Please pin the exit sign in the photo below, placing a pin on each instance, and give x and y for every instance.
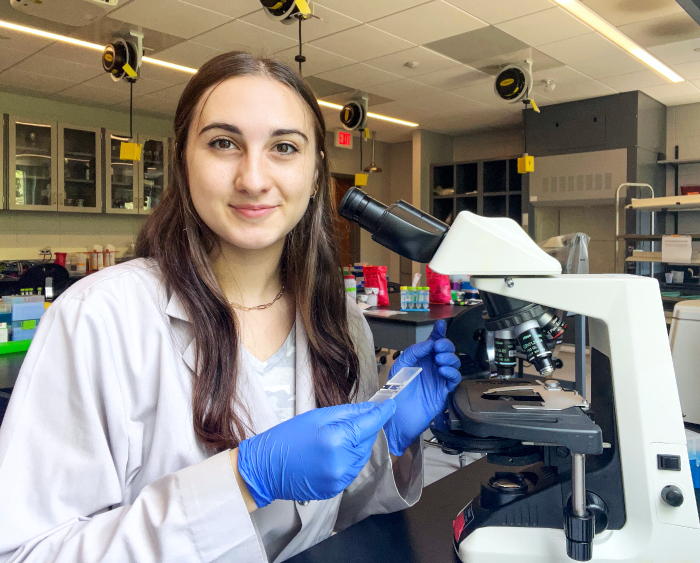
(343, 139)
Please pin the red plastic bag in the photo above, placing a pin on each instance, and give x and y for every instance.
(439, 286)
(375, 276)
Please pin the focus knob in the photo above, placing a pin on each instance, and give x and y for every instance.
(672, 495)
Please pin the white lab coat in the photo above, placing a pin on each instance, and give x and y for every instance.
(98, 457)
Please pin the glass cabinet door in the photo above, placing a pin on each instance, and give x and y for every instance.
(154, 176)
(32, 169)
(79, 169)
(122, 177)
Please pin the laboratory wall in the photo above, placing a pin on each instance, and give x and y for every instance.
(501, 143)
(23, 233)
(683, 131)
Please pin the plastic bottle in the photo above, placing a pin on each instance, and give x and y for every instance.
(426, 299)
(350, 286)
(404, 296)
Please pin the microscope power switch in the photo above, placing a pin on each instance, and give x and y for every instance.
(668, 462)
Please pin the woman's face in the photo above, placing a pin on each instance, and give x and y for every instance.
(251, 157)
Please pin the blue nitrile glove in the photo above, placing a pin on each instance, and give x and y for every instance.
(424, 398)
(313, 456)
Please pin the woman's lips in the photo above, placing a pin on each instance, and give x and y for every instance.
(252, 212)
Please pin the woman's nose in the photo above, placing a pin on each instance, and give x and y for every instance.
(253, 174)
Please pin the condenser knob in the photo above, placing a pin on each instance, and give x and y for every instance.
(672, 495)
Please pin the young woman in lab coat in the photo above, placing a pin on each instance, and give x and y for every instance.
(205, 402)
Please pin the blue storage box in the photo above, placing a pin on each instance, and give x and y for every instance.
(19, 334)
(27, 311)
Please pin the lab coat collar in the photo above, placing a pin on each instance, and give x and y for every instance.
(176, 308)
(305, 396)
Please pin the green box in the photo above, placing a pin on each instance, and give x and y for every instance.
(29, 325)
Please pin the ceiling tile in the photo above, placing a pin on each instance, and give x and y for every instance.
(344, 97)
(359, 76)
(580, 91)
(634, 80)
(662, 30)
(581, 48)
(324, 88)
(678, 53)
(610, 65)
(368, 10)
(239, 35)
(56, 68)
(484, 93)
(188, 53)
(477, 45)
(429, 22)
(446, 103)
(19, 41)
(428, 61)
(560, 75)
(689, 71)
(234, 9)
(503, 10)
(402, 89)
(9, 57)
(317, 60)
(330, 22)
(544, 27)
(401, 110)
(494, 65)
(169, 16)
(72, 53)
(362, 43)
(452, 78)
(106, 29)
(621, 12)
(673, 90)
(33, 81)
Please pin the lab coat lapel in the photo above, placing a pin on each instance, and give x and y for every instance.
(305, 396)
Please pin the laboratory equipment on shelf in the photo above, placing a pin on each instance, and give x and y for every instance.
(600, 477)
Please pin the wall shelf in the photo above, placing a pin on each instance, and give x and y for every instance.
(673, 203)
(492, 188)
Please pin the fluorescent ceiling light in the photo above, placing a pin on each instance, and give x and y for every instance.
(173, 66)
(606, 29)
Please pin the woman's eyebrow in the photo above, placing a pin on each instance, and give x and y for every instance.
(283, 132)
(225, 126)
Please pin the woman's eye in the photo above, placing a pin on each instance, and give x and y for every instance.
(221, 144)
(285, 148)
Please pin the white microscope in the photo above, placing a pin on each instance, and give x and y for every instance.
(605, 479)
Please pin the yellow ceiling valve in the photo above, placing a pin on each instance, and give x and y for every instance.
(122, 58)
(288, 11)
(130, 151)
(526, 163)
(361, 179)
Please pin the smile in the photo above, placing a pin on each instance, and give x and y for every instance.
(253, 211)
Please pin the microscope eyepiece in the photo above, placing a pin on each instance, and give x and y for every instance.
(400, 227)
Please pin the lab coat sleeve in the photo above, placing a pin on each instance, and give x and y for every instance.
(63, 459)
(382, 486)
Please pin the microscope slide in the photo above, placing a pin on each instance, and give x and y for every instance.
(395, 385)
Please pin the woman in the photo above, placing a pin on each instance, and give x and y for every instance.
(205, 402)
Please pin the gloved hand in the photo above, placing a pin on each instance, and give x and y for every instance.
(424, 398)
(313, 456)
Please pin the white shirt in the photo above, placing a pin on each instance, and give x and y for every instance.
(98, 457)
(277, 376)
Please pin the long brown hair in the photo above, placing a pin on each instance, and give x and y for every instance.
(177, 238)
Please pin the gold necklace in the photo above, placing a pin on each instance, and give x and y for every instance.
(270, 304)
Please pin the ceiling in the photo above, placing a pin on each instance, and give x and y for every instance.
(364, 45)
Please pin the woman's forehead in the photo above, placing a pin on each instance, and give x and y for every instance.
(255, 101)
